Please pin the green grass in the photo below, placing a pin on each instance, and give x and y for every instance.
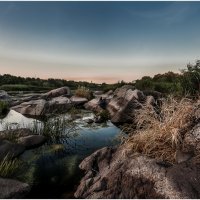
(55, 128)
(9, 168)
(104, 115)
(22, 87)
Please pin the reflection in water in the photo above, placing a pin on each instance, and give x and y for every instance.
(15, 120)
(52, 169)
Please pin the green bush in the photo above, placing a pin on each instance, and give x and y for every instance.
(104, 115)
(190, 80)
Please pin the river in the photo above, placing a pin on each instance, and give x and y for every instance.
(52, 169)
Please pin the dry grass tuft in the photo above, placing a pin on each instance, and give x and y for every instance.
(159, 134)
(83, 92)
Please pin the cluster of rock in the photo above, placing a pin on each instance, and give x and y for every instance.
(12, 144)
(114, 173)
(122, 103)
(111, 173)
(54, 101)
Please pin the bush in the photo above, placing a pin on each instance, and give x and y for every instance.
(190, 80)
(104, 115)
(83, 92)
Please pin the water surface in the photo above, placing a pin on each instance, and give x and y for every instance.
(52, 169)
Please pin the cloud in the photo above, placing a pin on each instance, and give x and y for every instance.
(172, 13)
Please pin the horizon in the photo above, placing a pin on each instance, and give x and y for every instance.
(97, 41)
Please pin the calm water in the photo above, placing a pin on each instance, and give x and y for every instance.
(52, 169)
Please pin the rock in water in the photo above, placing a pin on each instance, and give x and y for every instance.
(57, 92)
(10, 149)
(32, 141)
(13, 189)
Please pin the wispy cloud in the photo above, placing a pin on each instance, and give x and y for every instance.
(173, 13)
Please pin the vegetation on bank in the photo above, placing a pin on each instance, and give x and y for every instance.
(55, 129)
(159, 133)
(187, 82)
(14, 83)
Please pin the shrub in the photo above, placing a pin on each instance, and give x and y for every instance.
(104, 115)
(83, 92)
(159, 135)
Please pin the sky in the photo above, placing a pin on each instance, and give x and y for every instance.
(98, 41)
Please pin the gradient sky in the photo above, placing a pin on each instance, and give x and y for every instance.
(98, 41)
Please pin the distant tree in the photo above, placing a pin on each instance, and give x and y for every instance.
(190, 80)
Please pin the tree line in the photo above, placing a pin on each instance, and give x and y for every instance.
(187, 82)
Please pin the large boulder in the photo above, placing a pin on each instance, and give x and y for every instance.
(13, 189)
(111, 173)
(57, 92)
(32, 108)
(122, 90)
(10, 149)
(42, 107)
(32, 141)
(124, 103)
(58, 104)
(93, 105)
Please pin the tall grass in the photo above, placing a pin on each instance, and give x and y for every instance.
(160, 134)
(9, 167)
(54, 128)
